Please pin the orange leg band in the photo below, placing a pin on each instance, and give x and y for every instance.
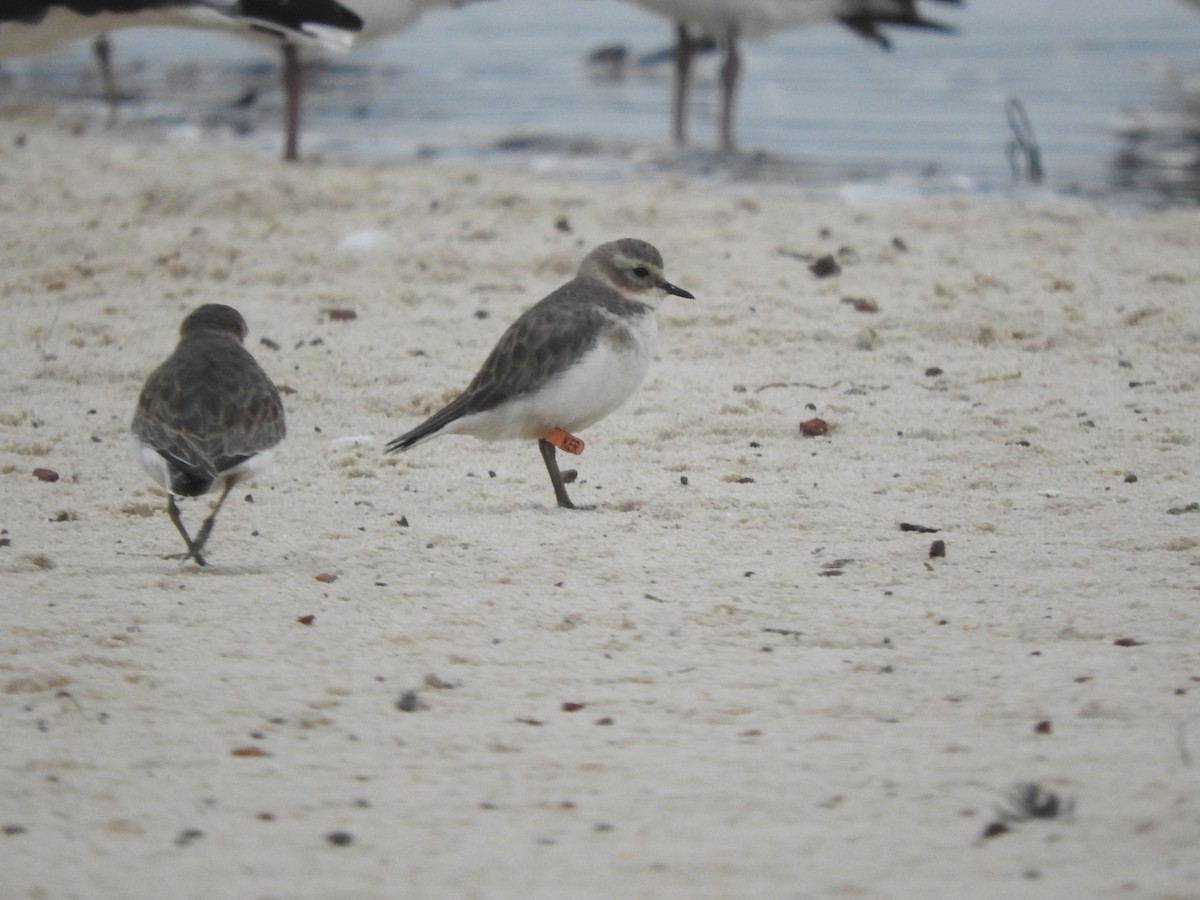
(564, 441)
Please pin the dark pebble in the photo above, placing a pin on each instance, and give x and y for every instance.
(825, 266)
(408, 702)
(920, 529)
(994, 829)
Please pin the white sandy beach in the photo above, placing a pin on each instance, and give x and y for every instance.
(737, 677)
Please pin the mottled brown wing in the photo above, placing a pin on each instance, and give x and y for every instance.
(210, 405)
(547, 338)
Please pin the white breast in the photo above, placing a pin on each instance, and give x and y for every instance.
(597, 384)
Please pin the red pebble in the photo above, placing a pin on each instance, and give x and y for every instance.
(813, 427)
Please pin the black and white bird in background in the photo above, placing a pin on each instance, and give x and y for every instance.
(32, 27)
(698, 23)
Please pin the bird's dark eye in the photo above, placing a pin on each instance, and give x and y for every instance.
(641, 272)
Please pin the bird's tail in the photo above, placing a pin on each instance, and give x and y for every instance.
(188, 480)
(431, 427)
(418, 434)
(905, 15)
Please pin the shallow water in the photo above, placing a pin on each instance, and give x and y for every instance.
(1104, 84)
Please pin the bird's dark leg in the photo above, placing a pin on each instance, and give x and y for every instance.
(730, 71)
(207, 527)
(685, 51)
(102, 48)
(292, 78)
(193, 549)
(560, 492)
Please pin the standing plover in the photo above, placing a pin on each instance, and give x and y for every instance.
(208, 417)
(567, 362)
(730, 20)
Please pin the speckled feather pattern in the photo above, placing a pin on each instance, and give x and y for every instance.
(208, 407)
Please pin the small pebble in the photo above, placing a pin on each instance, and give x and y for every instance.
(862, 304)
(410, 702)
(994, 829)
(825, 266)
(187, 836)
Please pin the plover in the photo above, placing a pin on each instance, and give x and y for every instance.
(208, 417)
(30, 27)
(567, 362)
(730, 20)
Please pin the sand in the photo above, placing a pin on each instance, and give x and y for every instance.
(737, 676)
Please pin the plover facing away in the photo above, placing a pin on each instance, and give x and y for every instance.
(208, 417)
(567, 362)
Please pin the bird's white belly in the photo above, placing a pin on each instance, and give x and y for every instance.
(603, 379)
(755, 18)
(159, 470)
(151, 460)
